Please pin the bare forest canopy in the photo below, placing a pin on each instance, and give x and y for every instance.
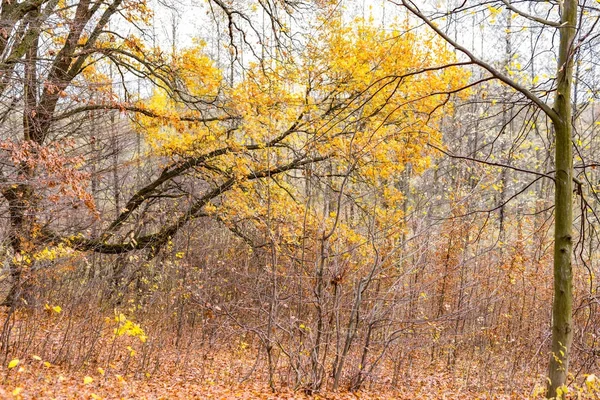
(298, 198)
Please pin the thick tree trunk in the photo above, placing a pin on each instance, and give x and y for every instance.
(21, 236)
(562, 330)
(20, 197)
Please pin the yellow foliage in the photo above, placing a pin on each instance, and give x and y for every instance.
(127, 327)
(368, 100)
(52, 253)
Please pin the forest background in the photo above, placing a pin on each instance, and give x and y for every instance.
(289, 198)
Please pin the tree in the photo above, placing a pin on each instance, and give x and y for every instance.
(560, 113)
(298, 155)
(51, 56)
(285, 115)
(26, 26)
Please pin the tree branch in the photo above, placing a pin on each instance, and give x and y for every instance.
(489, 68)
(158, 239)
(529, 16)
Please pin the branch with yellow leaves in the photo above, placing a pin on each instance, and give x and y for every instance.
(155, 241)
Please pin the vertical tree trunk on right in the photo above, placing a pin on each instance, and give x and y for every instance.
(562, 330)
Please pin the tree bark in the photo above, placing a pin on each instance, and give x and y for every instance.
(562, 331)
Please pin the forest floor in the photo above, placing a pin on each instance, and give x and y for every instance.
(34, 379)
(78, 386)
(114, 371)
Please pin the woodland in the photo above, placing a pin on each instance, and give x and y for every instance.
(294, 199)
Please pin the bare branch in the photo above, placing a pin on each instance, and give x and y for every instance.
(529, 16)
(488, 67)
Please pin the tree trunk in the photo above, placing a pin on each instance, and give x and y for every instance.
(562, 331)
(20, 197)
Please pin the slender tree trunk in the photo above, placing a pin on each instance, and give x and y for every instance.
(562, 330)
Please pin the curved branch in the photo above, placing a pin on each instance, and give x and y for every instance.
(490, 163)
(135, 109)
(156, 240)
(175, 170)
(529, 16)
(489, 68)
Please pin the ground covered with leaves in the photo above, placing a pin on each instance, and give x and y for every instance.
(124, 363)
(34, 378)
(57, 352)
(34, 383)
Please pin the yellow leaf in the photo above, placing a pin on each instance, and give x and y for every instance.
(87, 380)
(37, 358)
(17, 391)
(57, 309)
(101, 371)
(13, 363)
(131, 351)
